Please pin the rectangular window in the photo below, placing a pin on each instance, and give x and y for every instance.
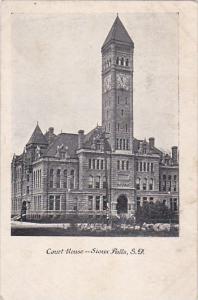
(58, 178)
(90, 202)
(123, 164)
(122, 112)
(175, 204)
(151, 199)
(98, 164)
(144, 167)
(120, 144)
(118, 100)
(104, 205)
(123, 144)
(171, 204)
(118, 127)
(97, 202)
(136, 166)
(104, 183)
(117, 143)
(51, 203)
(118, 165)
(127, 165)
(144, 200)
(175, 177)
(28, 189)
(57, 203)
(147, 167)
(126, 100)
(97, 182)
(90, 163)
(94, 163)
(151, 167)
(126, 128)
(102, 164)
(140, 166)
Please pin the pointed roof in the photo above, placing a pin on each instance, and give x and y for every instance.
(37, 137)
(118, 33)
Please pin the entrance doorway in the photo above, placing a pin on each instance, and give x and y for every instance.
(122, 204)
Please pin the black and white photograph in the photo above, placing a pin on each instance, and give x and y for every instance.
(95, 125)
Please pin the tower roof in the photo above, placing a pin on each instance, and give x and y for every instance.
(118, 33)
(37, 137)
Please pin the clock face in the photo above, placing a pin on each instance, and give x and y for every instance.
(122, 81)
(107, 83)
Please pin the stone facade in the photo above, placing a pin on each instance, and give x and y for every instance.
(106, 171)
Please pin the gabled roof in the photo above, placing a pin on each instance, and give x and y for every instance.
(37, 137)
(118, 33)
(68, 140)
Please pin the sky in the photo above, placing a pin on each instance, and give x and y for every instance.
(56, 74)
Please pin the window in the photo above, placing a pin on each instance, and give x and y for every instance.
(51, 177)
(118, 100)
(144, 167)
(98, 164)
(175, 204)
(127, 165)
(136, 165)
(169, 177)
(138, 202)
(175, 177)
(28, 190)
(109, 127)
(151, 199)
(147, 167)
(107, 114)
(90, 182)
(123, 144)
(58, 178)
(57, 203)
(126, 100)
(120, 144)
(151, 167)
(28, 177)
(104, 203)
(117, 143)
(94, 163)
(144, 200)
(90, 202)
(102, 164)
(117, 60)
(104, 183)
(169, 186)
(123, 163)
(140, 166)
(122, 112)
(127, 62)
(175, 186)
(72, 179)
(151, 184)
(164, 177)
(97, 182)
(164, 202)
(118, 127)
(89, 163)
(97, 202)
(144, 184)
(126, 128)
(65, 179)
(138, 183)
(51, 203)
(118, 165)
(122, 61)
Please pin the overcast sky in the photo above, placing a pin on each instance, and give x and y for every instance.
(56, 68)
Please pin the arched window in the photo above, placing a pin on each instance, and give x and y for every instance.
(151, 184)
(90, 182)
(144, 184)
(72, 179)
(97, 183)
(138, 183)
(65, 179)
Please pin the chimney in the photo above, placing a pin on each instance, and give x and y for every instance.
(174, 155)
(51, 130)
(151, 142)
(80, 139)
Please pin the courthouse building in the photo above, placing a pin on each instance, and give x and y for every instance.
(104, 170)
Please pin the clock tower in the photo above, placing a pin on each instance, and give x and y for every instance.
(117, 88)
